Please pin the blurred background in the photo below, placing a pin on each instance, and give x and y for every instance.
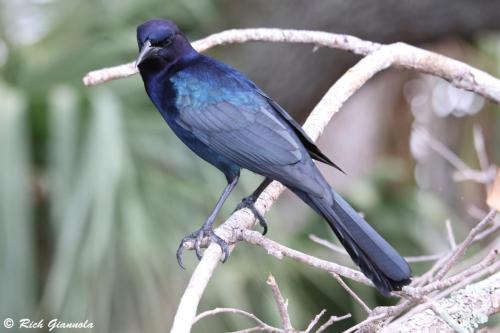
(96, 192)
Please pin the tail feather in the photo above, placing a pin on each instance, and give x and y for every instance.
(377, 259)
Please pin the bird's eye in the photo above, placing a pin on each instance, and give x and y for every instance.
(166, 42)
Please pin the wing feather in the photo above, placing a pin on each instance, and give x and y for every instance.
(244, 135)
(240, 124)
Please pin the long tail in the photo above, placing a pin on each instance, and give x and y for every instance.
(378, 260)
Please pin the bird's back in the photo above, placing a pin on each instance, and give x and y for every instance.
(227, 112)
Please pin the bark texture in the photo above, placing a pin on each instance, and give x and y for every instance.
(469, 307)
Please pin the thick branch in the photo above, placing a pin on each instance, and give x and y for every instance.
(470, 307)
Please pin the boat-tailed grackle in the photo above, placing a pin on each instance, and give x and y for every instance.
(229, 122)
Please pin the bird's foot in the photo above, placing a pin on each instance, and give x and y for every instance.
(249, 202)
(197, 238)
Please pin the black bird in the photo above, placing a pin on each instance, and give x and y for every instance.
(228, 121)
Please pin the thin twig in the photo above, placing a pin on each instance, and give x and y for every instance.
(460, 250)
(479, 296)
(427, 276)
(451, 236)
(329, 322)
(465, 172)
(446, 257)
(365, 322)
(255, 329)
(473, 275)
(314, 321)
(279, 251)
(441, 284)
(430, 257)
(485, 271)
(488, 232)
(352, 293)
(262, 325)
(482, 156)
(341, 250)
(281, 303)
(328, 244)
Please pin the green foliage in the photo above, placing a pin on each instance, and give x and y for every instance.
(17, 249)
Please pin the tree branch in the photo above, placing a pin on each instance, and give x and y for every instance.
(445, 316)
(401, 55)
(460, 250)
(281, 303)
(315, 321)
(470, 307)
(333, 319)
(279, 251)
(342, 251)
(352, 293)
(262, 325)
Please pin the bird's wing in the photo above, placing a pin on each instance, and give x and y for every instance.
(308, 143)
(243, 134)
(250, 133)
(311, 147)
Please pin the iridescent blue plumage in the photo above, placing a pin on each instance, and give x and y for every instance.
(228, 121)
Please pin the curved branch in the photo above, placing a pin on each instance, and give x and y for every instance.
(343, 42)
(401, 55)
(262, 325)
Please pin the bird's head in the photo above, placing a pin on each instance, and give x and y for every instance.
(161, 40)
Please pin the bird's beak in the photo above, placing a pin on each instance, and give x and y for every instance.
(146, 52)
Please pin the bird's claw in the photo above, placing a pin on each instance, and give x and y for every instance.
(197, 238)
(248, 202)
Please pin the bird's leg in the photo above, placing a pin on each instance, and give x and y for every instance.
(249, 202)
(206, 229)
